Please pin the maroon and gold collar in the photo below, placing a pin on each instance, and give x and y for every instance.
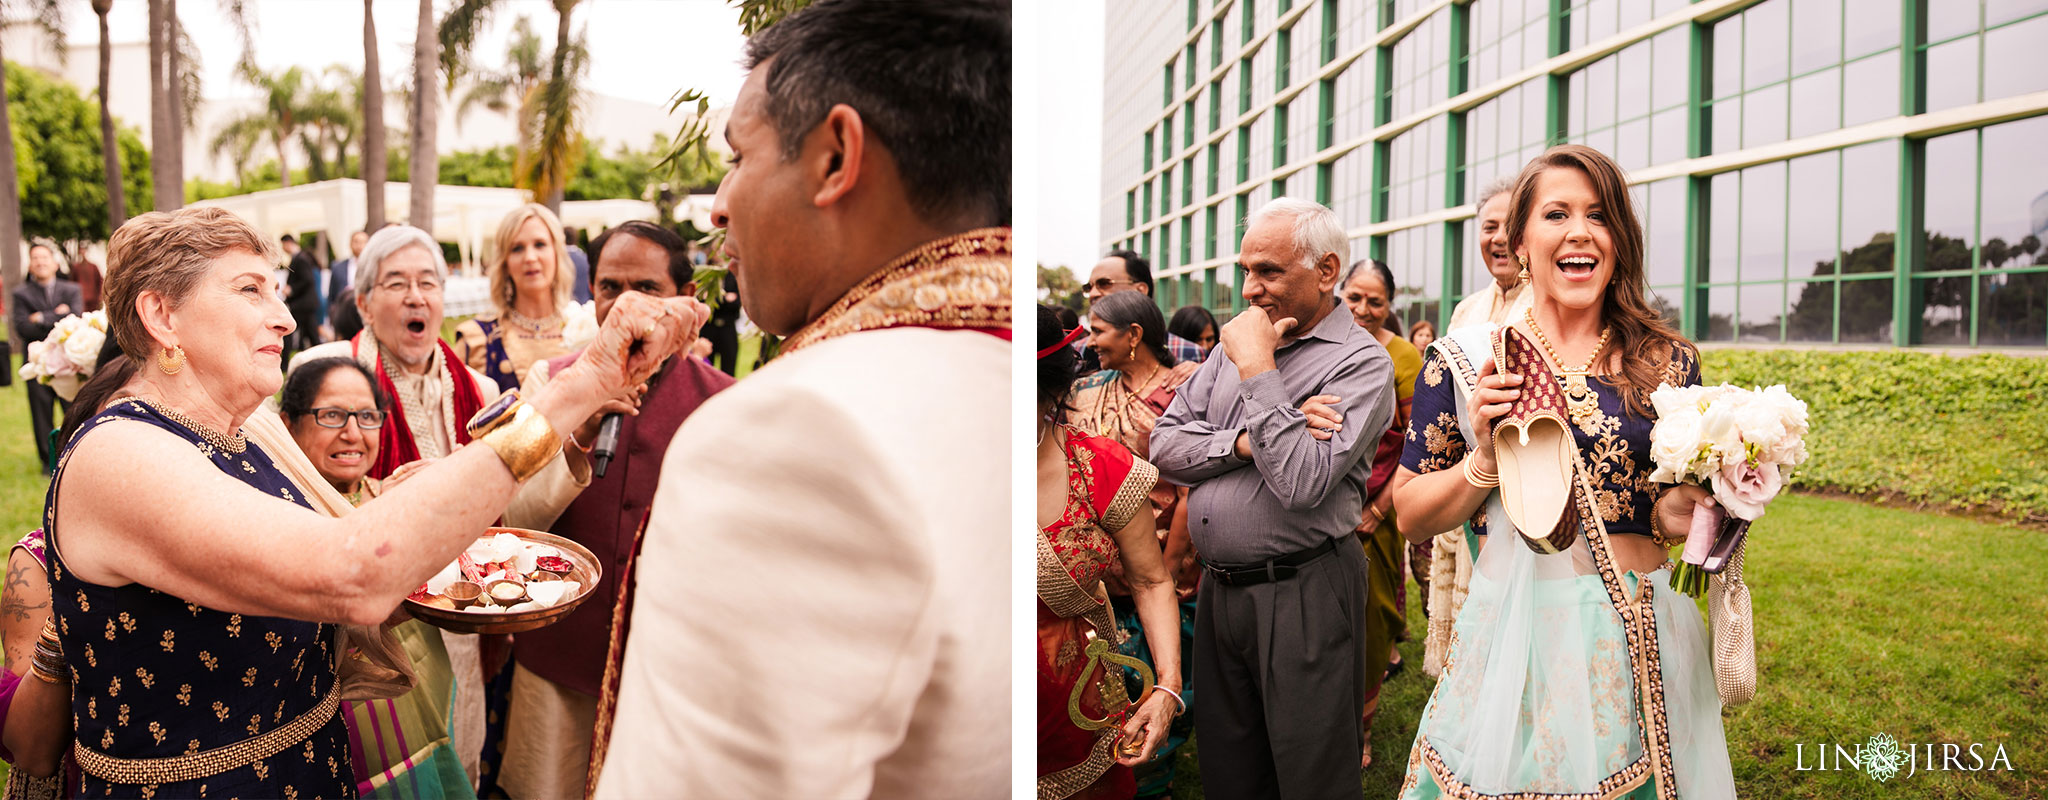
(960, 282)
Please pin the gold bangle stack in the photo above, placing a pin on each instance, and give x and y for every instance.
(48, 664)
(1479, 479)
(522, 438)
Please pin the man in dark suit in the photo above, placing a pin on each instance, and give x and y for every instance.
(340, 276)
(723, 329)
(302, 293)
(39, 303)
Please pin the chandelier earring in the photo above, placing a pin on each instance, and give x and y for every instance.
(1524, 276)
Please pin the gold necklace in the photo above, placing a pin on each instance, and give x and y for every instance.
(1138, 393)
(531, 325)
(233, 445)
(1579, 400)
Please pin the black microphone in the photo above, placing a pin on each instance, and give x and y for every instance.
(607, 443)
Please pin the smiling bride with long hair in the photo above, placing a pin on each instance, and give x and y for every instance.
(1574, 669)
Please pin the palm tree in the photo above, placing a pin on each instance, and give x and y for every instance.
(506, 90)
(174, 91)
(329, 119)
(373, 121)
(166, 173)
(117, 204)
(426, 114)
(554, 112)
(284, 112)
(238, 140)
(48, 16)
(550, 133)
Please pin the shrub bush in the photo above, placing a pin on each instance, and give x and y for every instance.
(1963, 433)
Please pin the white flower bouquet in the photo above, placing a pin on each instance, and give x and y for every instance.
(579, 324)
(66, 358)
(1739, 443)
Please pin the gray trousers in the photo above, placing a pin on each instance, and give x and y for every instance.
(1281, 667)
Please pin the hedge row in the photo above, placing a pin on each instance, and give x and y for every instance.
(1966, 433)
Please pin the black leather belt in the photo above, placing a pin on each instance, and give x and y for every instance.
(1277, 569)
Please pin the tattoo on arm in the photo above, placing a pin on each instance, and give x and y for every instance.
(17, 576)
(19, 610)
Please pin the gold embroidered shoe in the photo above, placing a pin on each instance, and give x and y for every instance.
(1534, 446)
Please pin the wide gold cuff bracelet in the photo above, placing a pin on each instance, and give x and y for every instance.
(520, 436)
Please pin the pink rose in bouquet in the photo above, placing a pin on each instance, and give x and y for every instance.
(1739, 443)
(1744, 489)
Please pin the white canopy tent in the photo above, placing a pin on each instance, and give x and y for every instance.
(466, 216)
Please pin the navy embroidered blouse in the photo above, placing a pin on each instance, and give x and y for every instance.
(154, 676)
(1613, 442)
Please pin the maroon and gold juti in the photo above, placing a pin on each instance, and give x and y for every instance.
(960, 282)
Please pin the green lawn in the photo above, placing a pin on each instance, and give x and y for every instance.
(1869, 619)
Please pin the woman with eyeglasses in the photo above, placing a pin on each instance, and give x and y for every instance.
(334, 410)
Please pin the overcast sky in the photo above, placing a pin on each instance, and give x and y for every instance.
(641, 50)
(1069, 43)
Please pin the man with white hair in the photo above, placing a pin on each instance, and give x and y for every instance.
(399, 279)
(1275, 439)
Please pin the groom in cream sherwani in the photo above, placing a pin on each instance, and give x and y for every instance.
(823, 593)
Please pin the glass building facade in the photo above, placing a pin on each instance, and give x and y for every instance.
(1776, 149)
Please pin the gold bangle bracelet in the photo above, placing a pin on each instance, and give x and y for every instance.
(525, 441)
(1479, 479)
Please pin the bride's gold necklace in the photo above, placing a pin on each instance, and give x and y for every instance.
(1579, 399)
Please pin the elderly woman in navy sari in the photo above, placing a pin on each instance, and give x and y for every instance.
(197, 598)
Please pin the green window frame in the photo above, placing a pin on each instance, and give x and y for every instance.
(1250, 20)
(1215, 43)
(1280, 135)
(1148, 150)
(1215, 165)
(1187, 241)
(1187, 182)
(1216, 105)
(1166, 89)
(1190, 61)
(1244, 153)
(1166, 190)
(1147, 207)
(1329, 31)
(1130, 209)
(1244, 85)
(1192, 13)
(1209, 251)
(1187, 127)
(1166, 148)
(1283, 62)
(1244, 211)
(1326, 114)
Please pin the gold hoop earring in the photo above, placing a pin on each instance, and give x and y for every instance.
(171, 360)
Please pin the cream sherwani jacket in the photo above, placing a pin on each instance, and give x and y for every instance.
(822, 608)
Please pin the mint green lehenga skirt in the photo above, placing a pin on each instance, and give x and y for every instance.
(1539, 696)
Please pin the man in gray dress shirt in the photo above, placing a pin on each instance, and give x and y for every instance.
(1275, 438)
